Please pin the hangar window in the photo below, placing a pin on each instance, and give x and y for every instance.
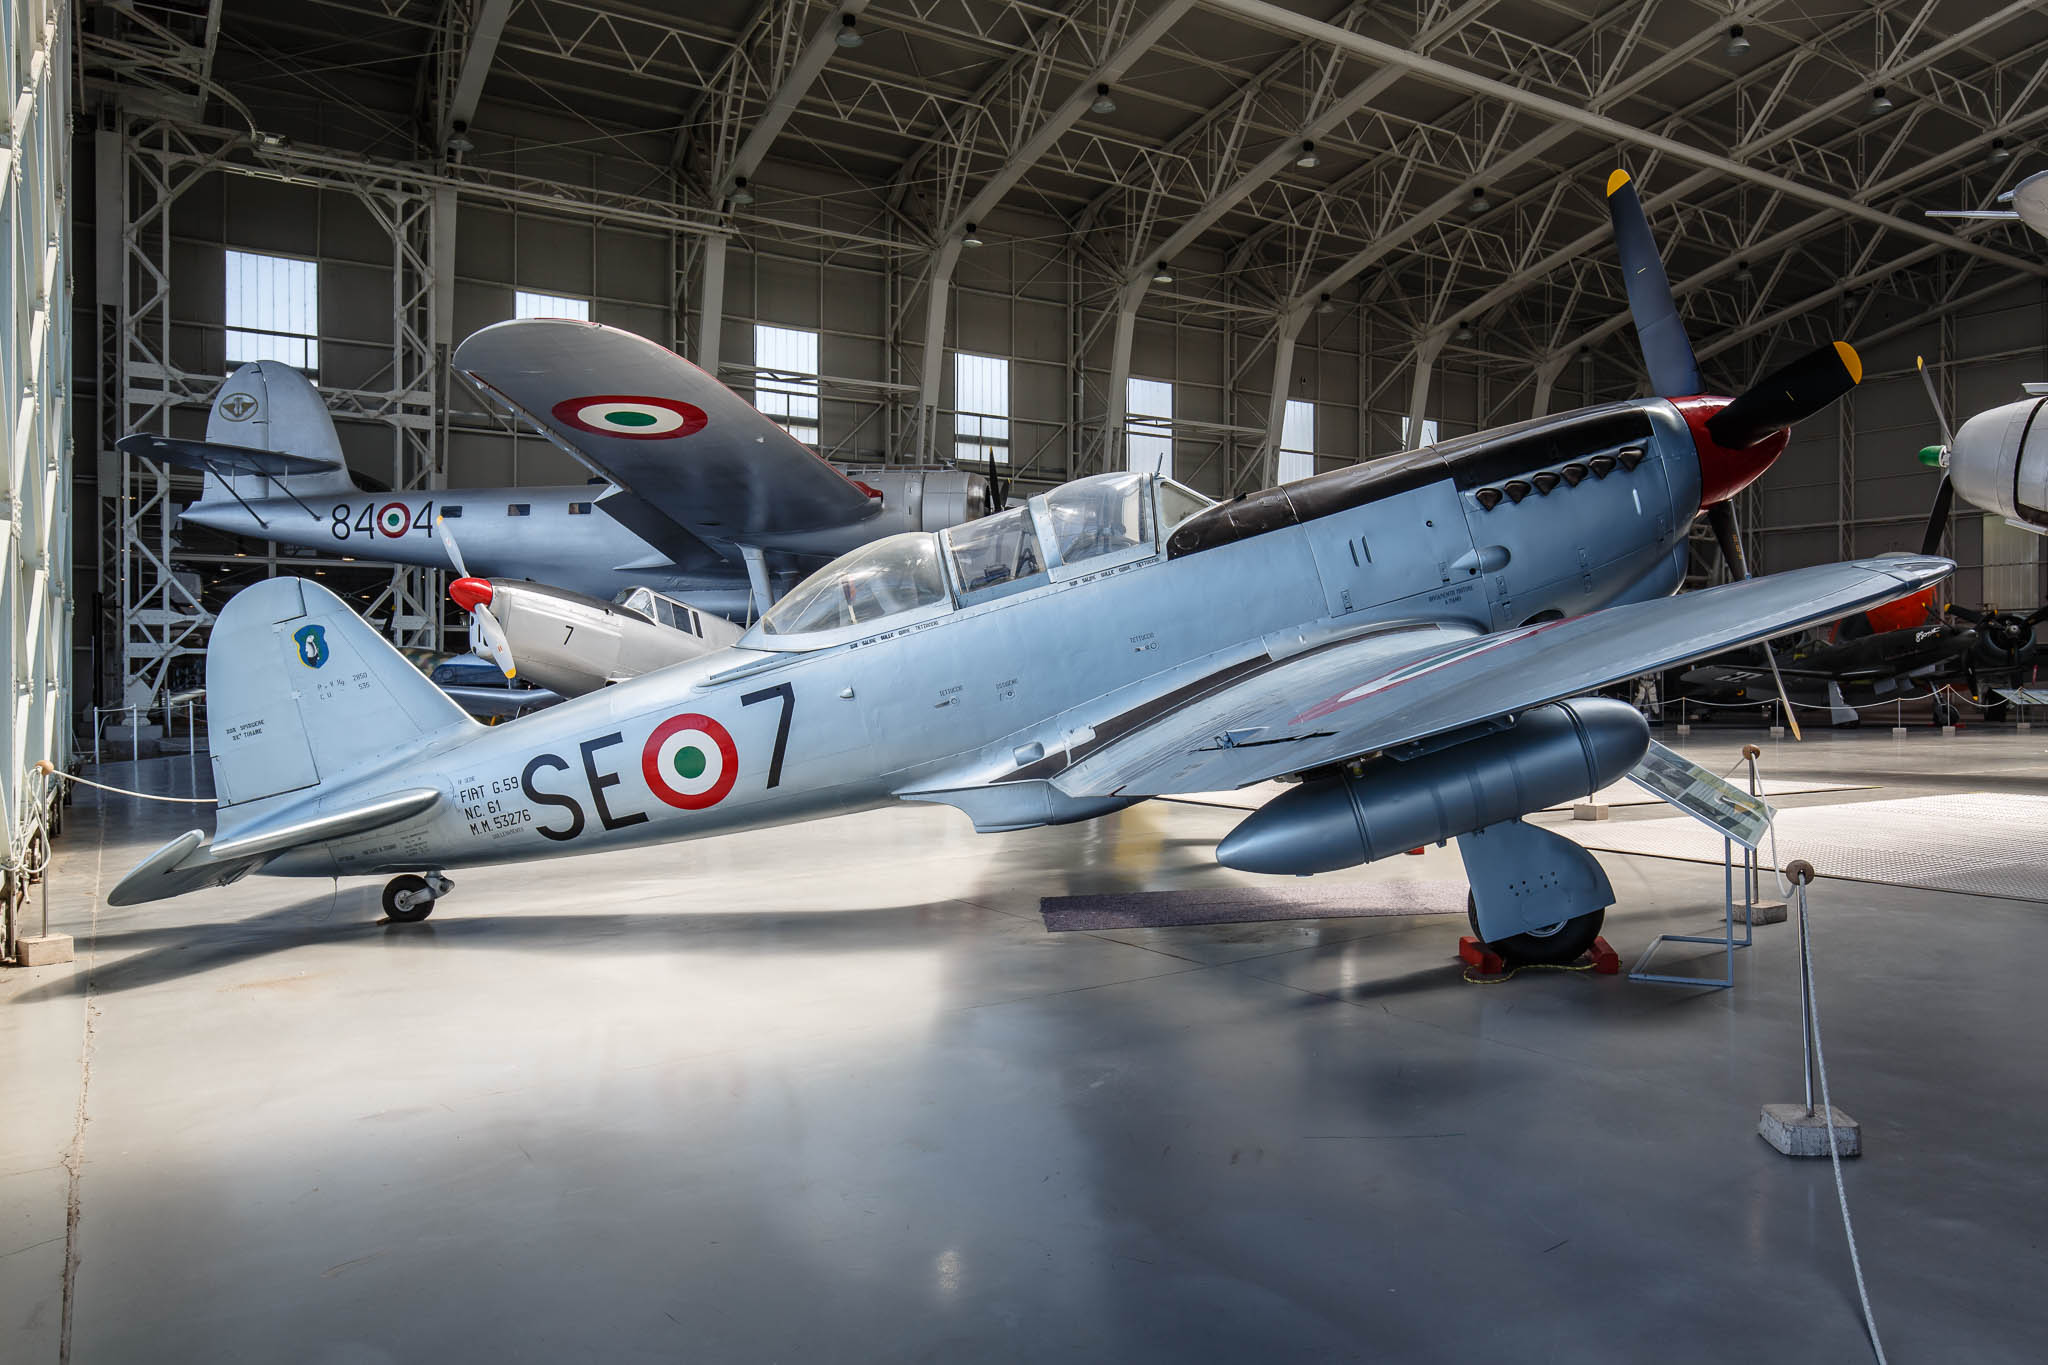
(981, 408)
(527, 303)
(1298, 441)
(1148, 426)
(881, 579)
(1099, 516)
(786, 379)
(273, 309)
(1428, 434)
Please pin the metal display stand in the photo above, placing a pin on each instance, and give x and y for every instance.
(1726, 939)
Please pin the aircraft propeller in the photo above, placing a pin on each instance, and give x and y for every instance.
(473, 595)
(1945, 492)
(1737, 438)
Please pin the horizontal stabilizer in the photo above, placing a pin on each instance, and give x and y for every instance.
(189, 863)
(226, 461)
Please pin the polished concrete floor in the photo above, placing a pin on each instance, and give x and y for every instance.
(831, 1093)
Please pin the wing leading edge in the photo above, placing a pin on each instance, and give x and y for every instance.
(1382, 690)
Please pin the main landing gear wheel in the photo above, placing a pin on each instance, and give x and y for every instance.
(408, 899)
(1556, 945)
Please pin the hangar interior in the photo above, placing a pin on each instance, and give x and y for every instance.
(1231, 241)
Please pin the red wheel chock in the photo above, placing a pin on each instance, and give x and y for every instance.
(1483, 961)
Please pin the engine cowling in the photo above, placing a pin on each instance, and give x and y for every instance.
(1553, 753)
(928, 499)
(1999, 461)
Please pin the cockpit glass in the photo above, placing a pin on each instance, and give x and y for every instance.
(884, 578)
(996, 550)
(1177, 504)
(1099, 516)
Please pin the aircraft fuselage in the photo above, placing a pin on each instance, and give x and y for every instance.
(1547, 519)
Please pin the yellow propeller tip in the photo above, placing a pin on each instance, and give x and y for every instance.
(1616, 181)
(1851, 362)
(1919, 362)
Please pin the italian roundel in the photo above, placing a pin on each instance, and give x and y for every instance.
(394, 519)
(636, 418)
(690, 761)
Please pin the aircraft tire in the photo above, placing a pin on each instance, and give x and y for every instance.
(1564, 943)
(408, 899)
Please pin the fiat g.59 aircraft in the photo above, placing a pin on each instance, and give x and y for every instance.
(1409, 637)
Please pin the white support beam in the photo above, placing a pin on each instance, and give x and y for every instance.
(939, 283)
(1559, 111)
(486, 26)
(823, 42)
(711, 305)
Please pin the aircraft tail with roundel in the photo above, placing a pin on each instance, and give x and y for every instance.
(269, 436)
(317, 727)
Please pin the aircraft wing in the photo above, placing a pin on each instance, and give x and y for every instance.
(684, 447)
(1410, 681)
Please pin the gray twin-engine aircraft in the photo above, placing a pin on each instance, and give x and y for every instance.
(1406, 637)
(708, 500)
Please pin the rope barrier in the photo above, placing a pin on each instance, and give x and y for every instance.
(43, 765)
(1828, 1108)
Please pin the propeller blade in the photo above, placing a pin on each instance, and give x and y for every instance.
(1948, 437)
(493, 645)
(1937, 517)
(1721, 516)
(1798, 391)
(1667, 351)
(447, 538)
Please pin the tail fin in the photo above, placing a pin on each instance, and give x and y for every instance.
(300, 690)
(301, 695)
(267, 405)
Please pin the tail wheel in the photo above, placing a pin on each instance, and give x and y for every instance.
(1555, 945)
(408, 899)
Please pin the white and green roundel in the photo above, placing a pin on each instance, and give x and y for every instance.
(636, 417)
(690, 762)
(394, 519)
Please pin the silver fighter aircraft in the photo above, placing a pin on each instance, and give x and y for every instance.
(1406, 637)
(706, 499)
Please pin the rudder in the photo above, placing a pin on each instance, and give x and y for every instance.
(301, 690)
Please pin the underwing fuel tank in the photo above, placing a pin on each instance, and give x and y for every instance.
(1552, 753)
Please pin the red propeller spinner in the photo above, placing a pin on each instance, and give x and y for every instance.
(470, 593)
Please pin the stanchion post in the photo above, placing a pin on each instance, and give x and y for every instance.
(1806, 1129)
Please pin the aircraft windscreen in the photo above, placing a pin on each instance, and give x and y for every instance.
(884, 578)
(1177, 504)
(1099, 516)
(996, 550)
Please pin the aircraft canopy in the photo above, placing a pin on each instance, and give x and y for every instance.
(886, 577)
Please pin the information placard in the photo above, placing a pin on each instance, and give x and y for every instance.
(1705, 796)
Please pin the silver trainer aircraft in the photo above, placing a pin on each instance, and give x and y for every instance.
(1406, 637)
(707, 499)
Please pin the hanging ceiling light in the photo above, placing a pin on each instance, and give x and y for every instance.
(1880, 103)
(1480, 203)
(1737, 45)
(1999, 153)
(1308, 160)
(849, 33)
(1463, 334)
(1162, 275)
(1103, 103)
(1325, 306)
(740, 195)
(972, 238)
(1742, 274)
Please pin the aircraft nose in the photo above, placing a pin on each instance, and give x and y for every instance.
(470, 593)
(1726, 471)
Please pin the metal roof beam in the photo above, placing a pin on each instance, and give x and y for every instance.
(1559, 111)
(479, 50)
